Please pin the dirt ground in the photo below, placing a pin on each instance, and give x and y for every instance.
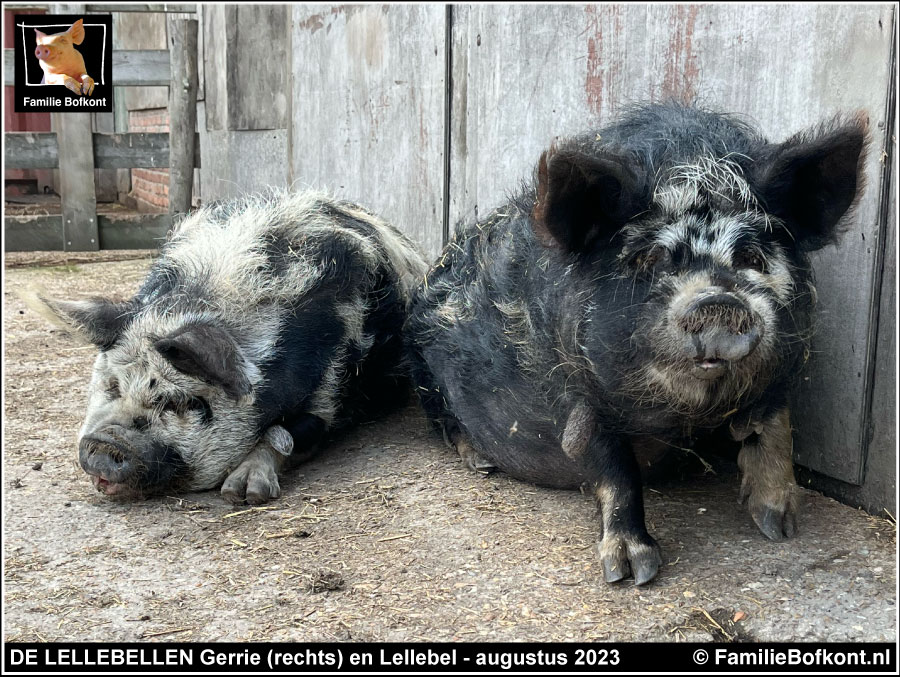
(386, 537)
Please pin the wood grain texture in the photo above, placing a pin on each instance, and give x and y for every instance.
(143, 7)
(525, 74)
(368, 110)
(120, 231)
(182, 36)
(76, 181)
(38, 150)
(131, 68)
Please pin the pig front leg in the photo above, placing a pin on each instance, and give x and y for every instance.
(768, 486)
(71, 83)
(256, 478)
(626, 547)
(87, 84)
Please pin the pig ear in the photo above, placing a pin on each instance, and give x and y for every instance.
(40, 35)
(98, 320)
(812, 180)
(582, 197)
(76, 32)
(209, 353)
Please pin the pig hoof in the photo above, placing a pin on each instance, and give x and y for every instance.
(623, 555)
(473, 460)
(73, 85)
(87, 87)
(776, 516)
(252, 483)
(777, 523)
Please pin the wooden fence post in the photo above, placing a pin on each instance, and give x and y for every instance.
(77, 188)
(76, 181)
(182, 112)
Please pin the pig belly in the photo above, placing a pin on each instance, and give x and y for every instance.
(506, 419)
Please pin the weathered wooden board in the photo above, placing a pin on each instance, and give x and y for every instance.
(38, 150)
(525, 74)
(133, 231)
(76, 181)
(131, 68)
(880, 489)
(121, 231)
(367, 109)
(247, 58)
(182, 36)
(236, 163)
(142, 7)
(30, 150)
(33, 233)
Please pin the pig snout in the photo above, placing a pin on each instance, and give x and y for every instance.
(110, 459)
(718, 329)
(42, 52)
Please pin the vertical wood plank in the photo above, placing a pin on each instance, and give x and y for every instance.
(76, 181)
(182, 112)
(524, 75)
(77, 188)
(368, 109)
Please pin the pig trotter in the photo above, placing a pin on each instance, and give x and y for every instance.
(626, 548)
(468, 453)
(72, 84)
(767, 486)
(624, 555)
(256, 478)
(87, 85)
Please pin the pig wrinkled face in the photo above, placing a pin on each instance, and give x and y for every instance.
(707, 257)
(166, 409)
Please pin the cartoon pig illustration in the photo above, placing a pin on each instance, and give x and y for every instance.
(61, 62)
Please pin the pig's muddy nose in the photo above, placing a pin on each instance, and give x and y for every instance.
(108, 461)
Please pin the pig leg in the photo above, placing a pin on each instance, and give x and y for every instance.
(71, 83)
(768, 485)
(87, 84)
(474, 461)
(256, 478)
(626, 547)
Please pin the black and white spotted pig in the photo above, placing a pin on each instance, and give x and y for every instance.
(651, 285)
(264, 323)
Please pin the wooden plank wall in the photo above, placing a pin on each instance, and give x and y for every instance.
(367, 109)
(523, 75)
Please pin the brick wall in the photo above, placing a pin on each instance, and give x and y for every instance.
(150, 187)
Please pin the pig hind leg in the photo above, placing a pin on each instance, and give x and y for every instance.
(455, 437)
(768, 486)
(626, 547)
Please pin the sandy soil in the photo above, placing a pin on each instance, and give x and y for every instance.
(386, 536)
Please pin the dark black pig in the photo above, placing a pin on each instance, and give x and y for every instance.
(651, 285)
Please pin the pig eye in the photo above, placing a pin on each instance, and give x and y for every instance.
(182, 407)
(750, 258)
(112, 389)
